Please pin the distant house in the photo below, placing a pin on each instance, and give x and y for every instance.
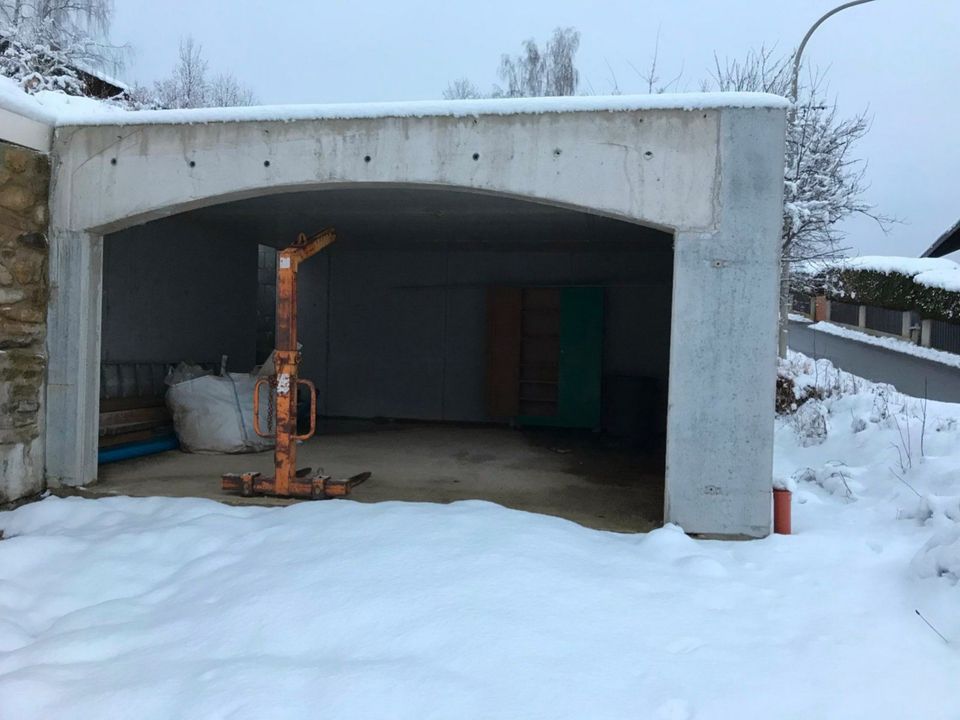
(945, 244)
(97, 84)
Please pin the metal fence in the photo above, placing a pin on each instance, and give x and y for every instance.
(884, 320)
(800, 303)
(844, 313)
(945, 336)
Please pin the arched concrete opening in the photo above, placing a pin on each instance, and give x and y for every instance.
(707, 167)
(403, 336)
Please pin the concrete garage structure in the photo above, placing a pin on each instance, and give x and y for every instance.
(669, 206)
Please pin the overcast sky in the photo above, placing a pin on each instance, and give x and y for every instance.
(898, 58)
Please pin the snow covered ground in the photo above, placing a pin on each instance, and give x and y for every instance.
(163, 608)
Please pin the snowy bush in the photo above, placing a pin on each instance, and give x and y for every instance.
(940, 556)
(810, 422)
(833, 477)
(37, 65)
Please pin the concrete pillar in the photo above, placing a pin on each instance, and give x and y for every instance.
(73, 346)
(723, 364)
(821, 308)
(905, 325)
(926, 327)
(862, 316)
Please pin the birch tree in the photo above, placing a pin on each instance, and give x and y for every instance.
(823, 180)
(546, 72)
(537, 71)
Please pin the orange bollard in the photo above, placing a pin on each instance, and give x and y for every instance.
(781, 511)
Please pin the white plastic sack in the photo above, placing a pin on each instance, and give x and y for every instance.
(183, 372)
(214, 414)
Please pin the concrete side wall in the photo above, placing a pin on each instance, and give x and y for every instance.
(177, 291)
(402, 332)
(723, 361)
(24, 186)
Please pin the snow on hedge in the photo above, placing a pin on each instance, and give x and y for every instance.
(931, 272)
(164, 608)
(67, 113)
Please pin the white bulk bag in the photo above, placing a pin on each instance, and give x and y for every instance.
(214, 414)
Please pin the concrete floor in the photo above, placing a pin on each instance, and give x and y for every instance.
(587, 478)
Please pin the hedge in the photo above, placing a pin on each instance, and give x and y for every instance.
(893, 290)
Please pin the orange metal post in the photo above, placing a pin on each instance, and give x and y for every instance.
(287, 482)
(287, 356)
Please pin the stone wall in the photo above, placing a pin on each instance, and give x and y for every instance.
(24, 188)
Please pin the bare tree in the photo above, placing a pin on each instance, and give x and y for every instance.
(461, 89)
(823, 180)
(535, 72)
(650, 76)
(226, 91)
(189, 87)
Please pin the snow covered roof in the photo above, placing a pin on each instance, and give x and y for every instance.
(932, 272)
(62, 110)
(945, 244)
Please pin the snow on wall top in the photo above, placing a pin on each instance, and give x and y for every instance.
(48, 107)
(61, 110)
(932, 272)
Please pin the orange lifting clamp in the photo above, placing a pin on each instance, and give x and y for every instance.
(286, 383)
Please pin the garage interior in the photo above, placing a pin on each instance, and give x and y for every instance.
(464, 346)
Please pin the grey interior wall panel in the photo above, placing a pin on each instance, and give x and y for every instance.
(174, 290)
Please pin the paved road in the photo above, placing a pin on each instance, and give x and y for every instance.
(905, 372)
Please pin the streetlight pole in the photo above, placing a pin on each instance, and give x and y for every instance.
(791, 119)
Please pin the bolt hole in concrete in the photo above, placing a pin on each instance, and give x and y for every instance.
(193, 163)
(476, 156)
(557, 151)
(266, 163)
(648, 154)
(113, 161)
(366, 158)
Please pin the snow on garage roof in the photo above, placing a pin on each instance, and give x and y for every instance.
(62, 110)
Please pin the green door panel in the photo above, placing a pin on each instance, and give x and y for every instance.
(581, 357)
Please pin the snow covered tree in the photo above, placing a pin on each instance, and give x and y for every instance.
(189, 87)
(44, 44)
(823, 180)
